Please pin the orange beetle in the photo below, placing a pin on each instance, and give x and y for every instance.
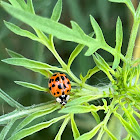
(60, 87)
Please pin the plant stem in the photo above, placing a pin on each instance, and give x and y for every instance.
(80, 83)
(132, 41)
(106, 119)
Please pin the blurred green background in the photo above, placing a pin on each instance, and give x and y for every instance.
(104, 12)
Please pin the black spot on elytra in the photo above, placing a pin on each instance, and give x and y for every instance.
(57, 79)
(54, 74)
(64, 86)
(49, 88)
(62, 77)
(53, 85)
(68, 90)
(52, 80)
(57, 92)
(59, 86)
(63, 93)
(54, 93)
(68, 82)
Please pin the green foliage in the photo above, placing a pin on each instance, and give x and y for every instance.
(122, 91)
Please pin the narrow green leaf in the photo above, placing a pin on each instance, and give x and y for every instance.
(100, 63)
(28, 131)
(96, 116)
(32, 86)
(97, 30)
(110, 134)
(136, 113)
(33, 116)
(46, 73)
(119, 1)
(28, 63)
(116, 131)
(80, 109)
(119, 35)
(57, 11)
(56, 29)
(49, 26)
(73, 55)
(132, 120)
(76, 51)
(14, 54)
(17, 30)
(128, 3)
(76, 28)
(20, 113)
(74, 128)
(60, 132)
(91, 72)
(128, 137)
(81, 100)
(89, 135)
(15, 3)
(6, 129)
(30, 6)
(93, 48)
(138, 12)
(128, 127)
(23, 5)
(10, 100)
(119, 39)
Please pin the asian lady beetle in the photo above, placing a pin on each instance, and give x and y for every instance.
(60, 87)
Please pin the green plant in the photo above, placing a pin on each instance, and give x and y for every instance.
(123, 90)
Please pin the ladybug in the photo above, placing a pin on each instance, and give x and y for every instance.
(60, 87)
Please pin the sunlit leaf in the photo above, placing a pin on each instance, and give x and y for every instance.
(76, 51)
(138, 12)
(32, 86)
(80, 109)
(28, 63)
(128, 3)
(90, 73)
(10, 100)
(6, 129)
(128, 127)
(14, 54)
(46, 73)
(119, 39)
(81, 100)
(17, 30)
(57, 11)
(28, 131)
(110, 134)
(74, 128)
(96, 116)
(60, 132)
(97, 29)
(59, 30)
(33, 116)
(30, 6)
(89, 135)
(15, 3)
